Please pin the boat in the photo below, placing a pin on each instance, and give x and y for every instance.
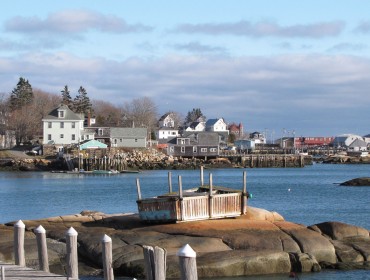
(129, 171)
(105, 172)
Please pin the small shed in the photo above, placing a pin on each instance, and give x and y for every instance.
(200, 203)
(92, 144)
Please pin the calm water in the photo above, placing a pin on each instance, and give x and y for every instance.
(309, 195)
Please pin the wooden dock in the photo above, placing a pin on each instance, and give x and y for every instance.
(16, 272)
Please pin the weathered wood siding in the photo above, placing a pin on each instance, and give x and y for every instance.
(190, 208)
(195, 208)
(226, 205)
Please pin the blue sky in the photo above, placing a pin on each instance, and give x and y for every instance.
(299, 66)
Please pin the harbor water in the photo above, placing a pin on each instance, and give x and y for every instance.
(306, 195)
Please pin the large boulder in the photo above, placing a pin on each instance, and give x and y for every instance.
(357, 182)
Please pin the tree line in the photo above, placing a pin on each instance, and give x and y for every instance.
(22, 111)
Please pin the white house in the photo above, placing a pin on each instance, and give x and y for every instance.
(166, 127)
(62, 126)
(166, 132)
(345, 140)
(216, 125)
(196, 126)
(167, 120)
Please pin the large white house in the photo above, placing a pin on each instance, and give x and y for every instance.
(216, 125)
(62, 126)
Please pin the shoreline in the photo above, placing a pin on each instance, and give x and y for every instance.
(224, 246)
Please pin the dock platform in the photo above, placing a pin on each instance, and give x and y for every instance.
(15, 272)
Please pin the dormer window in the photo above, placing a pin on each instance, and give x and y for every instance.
(61, 114)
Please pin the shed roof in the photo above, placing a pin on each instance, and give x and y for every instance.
(128, 132)
(93, 144)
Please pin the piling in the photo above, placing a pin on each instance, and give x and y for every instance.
(19, 257)
(107, 257)
(72, 257)
(42, 249)
(188, 264)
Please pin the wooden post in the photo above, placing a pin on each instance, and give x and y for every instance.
(188, 263)
(42, 248)
(155, 262)
(138, 189)
(201, 175)
(169, 182)
(72, 258)
(19, 229)
(181, 199)
(244, 194)
(210, 196)
(2, 273)
(107, 257)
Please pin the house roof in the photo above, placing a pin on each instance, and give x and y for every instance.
(358, 143)
(128, 132)
(68, 116)
(164, 116)
(211, 122)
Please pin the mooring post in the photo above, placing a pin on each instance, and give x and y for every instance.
(244, 194)
(201, 175)
(107, 257)
(188, 263)
(181, 199)
(72, 257)
(169, 182)
(19, 257)
(138, 189)
(2, 273)
(155, 262)
(210, 196)
(42, 249)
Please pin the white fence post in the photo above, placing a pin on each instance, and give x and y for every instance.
(19, 229)
(188, 263)
(72, 257)
(42, 249)
(107, 257)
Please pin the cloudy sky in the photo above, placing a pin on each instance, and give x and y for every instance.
(275, 66)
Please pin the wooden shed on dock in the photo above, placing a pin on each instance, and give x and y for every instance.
(200, 203)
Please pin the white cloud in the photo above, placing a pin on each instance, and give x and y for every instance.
(266, 28)
(259, 91)
(72, 22)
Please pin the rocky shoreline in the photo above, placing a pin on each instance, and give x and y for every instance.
(260, 242)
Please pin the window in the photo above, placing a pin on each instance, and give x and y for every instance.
(100, 132)
(62, 136)
(135, 139)
(213, 150)
(87, 136)
(194, 149)
(73, 125)
(120, 140)
(61, 114)
(62, 125)
(49, 124)
(203, 150)
(172, 149)
(49, 137)
(73, 137)
(183, 150)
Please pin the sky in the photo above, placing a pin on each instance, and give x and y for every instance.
(281, 67)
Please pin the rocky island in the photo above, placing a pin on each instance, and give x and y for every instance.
(260, 242)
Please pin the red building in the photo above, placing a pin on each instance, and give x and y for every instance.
(311, 142)
(235, 129)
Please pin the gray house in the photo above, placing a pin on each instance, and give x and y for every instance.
(128, 137)
(202, 144)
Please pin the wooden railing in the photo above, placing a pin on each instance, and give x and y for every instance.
(190, 206)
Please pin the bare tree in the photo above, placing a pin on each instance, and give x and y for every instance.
(106, 113)
(142, 111)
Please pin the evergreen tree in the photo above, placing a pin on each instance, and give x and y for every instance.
(21, 95)
(81, 103)
(66, 97)
(193, 115)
